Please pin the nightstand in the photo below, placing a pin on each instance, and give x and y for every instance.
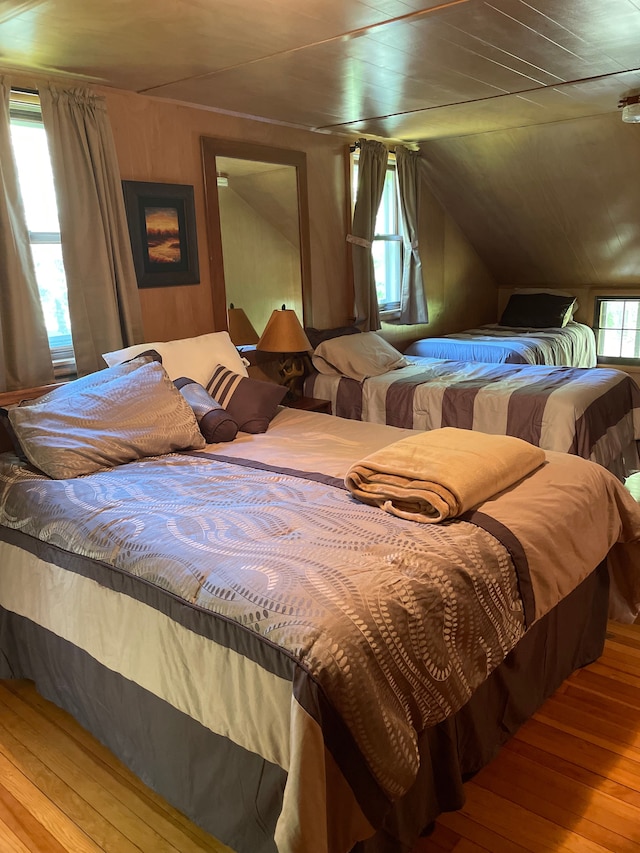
(310, 404)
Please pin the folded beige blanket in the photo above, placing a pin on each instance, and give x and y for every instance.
(442, 473)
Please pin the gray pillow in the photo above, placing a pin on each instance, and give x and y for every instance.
(108, 418)
(357, 356)
(252, 403)
(93, 380)
(216, 424)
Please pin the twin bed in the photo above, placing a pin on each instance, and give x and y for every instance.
(591, 413)
(572, 345)
(296, 670)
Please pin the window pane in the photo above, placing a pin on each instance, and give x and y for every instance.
(35, 179)
(629, 346)
(609, 342)
(630, 314)
(611, 314)
(387, 265)
(52, 285)
(386, 220)
(35, 176)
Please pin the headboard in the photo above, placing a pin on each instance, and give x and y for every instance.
(10, 398)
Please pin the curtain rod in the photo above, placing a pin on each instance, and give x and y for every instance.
(356, 145)
(391, 149)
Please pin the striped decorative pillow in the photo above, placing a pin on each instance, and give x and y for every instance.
(252, 403)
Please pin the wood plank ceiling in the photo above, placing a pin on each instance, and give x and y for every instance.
(400, 69)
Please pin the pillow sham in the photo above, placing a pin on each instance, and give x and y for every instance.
(317, 336)
(252, 403)
(554, 292)
(92, 380)
(86, 425)
(193, 357)
(357, 356)
(537, 311)
(216, 424)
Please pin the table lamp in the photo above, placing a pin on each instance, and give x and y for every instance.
(284, 334)
(241, 331)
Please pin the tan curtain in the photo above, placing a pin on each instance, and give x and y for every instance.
(104, 305)
(25, 358)
(413, 301)
(372, 169)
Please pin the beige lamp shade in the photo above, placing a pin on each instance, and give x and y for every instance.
(241, 331)
(283, 333)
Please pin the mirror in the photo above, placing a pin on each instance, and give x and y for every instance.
(258, 228)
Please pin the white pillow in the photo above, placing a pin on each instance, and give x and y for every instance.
(195, 358)
(357, 356)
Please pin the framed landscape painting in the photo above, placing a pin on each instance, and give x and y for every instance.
(162, 228)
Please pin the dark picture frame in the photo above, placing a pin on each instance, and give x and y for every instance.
(162, 228)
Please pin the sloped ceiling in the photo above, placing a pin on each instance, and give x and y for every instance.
(553, 204)
(401, 69)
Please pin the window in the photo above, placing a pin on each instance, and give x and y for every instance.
(387, 242)
(617, 329)
(35, 177)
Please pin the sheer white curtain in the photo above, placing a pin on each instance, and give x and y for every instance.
(25, 358)
(104, 305)
(372, 169)
(413, 300)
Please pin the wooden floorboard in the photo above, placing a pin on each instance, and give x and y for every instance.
(570, 778)
(568, 781)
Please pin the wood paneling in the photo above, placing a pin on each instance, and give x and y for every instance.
(160, 141)
(547, 205)
(394, 68)
(149, 133)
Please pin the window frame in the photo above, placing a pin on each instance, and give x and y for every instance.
(25, 107)
(599, 300)
(391, 309)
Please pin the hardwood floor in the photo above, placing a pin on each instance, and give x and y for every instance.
(570, 778)
(60, 790)
(568, 781)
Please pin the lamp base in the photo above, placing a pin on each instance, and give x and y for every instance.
(291, 370)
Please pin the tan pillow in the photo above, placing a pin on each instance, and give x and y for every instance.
(192, 357)
(357, 356)
(105, 419)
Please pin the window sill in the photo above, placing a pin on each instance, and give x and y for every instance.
(390, 315)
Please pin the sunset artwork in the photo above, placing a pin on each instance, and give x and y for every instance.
(163, 235)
